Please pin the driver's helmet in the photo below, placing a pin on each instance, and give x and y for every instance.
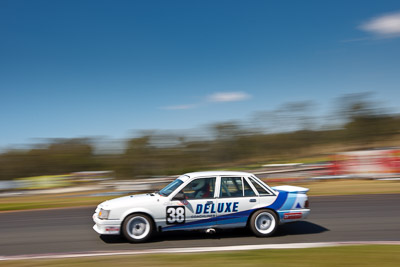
(198, 184)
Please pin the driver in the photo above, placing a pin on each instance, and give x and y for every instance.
(201, 188)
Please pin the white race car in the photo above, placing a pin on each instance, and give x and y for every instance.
(203, 201)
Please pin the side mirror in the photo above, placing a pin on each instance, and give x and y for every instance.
(179, 196)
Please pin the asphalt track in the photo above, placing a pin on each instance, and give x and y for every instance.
(332, 219)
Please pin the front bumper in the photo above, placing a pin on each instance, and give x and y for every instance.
(106, 227)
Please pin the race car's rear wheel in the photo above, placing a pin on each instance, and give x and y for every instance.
(263, 223)
(137, 228)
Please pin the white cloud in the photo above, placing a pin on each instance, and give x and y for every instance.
(228, 97)
(387, 25)
(177, 107)
(216, 97)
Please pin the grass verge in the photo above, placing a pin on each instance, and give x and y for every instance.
(317, 188)
(48, 201)
(368, 255)
(350, 187)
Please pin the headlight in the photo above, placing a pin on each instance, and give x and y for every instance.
(103, 214)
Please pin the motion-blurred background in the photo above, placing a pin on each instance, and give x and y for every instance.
(119, 97)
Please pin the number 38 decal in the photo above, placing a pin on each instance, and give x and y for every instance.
(175, 214)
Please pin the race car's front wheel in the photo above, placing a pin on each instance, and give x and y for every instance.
(263, 223)
(137, 228)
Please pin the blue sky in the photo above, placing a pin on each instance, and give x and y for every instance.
(108, 68)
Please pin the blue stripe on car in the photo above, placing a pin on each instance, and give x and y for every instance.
(289, 202)
(237, 217)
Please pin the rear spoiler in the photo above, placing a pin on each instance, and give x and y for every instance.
(291, 189)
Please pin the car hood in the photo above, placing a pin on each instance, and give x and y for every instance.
(128, 201)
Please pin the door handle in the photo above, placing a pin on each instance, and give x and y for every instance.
(209, 202)
(253, 200)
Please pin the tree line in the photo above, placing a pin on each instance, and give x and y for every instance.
(359, 123)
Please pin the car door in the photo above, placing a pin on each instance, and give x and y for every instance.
(235, 201)
(199, 207)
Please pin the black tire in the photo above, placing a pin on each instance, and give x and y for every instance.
(263, 223)
(138, 228)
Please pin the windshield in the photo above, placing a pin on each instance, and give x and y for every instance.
(166, 191)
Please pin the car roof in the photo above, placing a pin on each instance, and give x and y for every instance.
(217, 173)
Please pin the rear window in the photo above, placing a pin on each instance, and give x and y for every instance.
(261, 190)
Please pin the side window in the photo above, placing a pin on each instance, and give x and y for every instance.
(261, 190)
(248, 191)
(200, 188)
(231, 187)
